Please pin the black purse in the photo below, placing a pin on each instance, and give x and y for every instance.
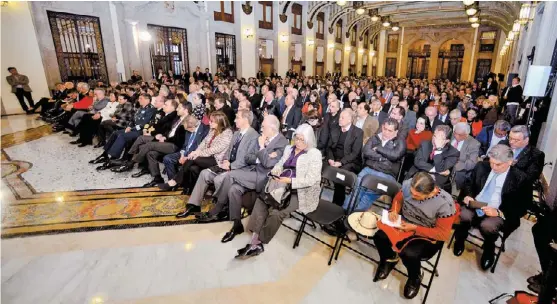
(277, 194)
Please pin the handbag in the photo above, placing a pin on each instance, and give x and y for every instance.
(519, 297)
(277, 194)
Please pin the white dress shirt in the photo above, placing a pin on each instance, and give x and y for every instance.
(495, 199)
(360, 122)
(108, 110)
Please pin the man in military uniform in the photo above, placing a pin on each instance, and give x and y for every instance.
(119, 139)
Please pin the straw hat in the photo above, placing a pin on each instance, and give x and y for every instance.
(364, 223)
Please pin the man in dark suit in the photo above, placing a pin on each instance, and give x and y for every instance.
(492, 135)
(423, 103)
(330, 120)
(490, 87)
(436, 157)
(290, 118)
(254, 98)
(501, 186)
(376, 111)
(242, 143)
(406, 96)
(266, 154)
(195, 133)
(208, 76)
(432, 120)
(260, 74)
(220, 105)
(198, 75)
(512, 100)
(343, 98)
(344, 150)
(443, 115)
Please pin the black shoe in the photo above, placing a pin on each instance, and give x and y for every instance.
(143, 172)
(74, 134)
(104, 166)
(383, 270)
(128, 166)
(99, 145)
(412, 286)
(81, 145)
(229, 236)
(535, 287)
(66, 132)
(253, 250)
(167, 187)
(101, 159)
(536, 279)
(152, 183)
(75, 142)
(487, 260)
(186, 191)
(243, 250)
(458, 248)
(190, 210)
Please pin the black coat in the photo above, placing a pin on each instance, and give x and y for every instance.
(329, 122)
(514, 95)
(164, 125)
(292, 121)
(386, 159)
(229, 112)
(255, 101)
(515, 198)
(421, 107)
(202, 132)
(352, 157)
(446, 160)
(179, 136)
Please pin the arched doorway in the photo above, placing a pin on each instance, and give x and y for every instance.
(418, 60)
(451, 56)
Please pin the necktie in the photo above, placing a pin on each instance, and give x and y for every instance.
(455, 144)
(488, 190)
(190, 142)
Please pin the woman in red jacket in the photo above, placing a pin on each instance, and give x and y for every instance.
(417, 135)
(427, 214)
(474, 121)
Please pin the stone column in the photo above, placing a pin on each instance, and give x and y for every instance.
(359, 56)
(283, 42)
(432, 69)
(382, 51)
(248, 45)
(310, 42)
(347, 48)
(117, 42)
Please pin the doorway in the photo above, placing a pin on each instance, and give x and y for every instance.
(226, 54)
(483, 67)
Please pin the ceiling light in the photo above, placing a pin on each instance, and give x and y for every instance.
(516, 26)
(475, 17)
(341, 3)
(475, 25)
(524, 14)
(468, 2)
(471, 9)
(359, 7)
(360, 11)
(386, 21)
(374, 14)
(395, 26)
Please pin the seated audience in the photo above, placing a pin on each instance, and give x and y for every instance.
(46, 104)
(455, 117)
(490, 136)
(376, 111)
(443, 114)
(330, 120)
(100, 101)
(398, 115)
(90, 123)
(243, 142)
(474, 121)
(195, 133)
(432, 120)
(488, 113)
(409, 115)
(428, 213)
(389, 106)
(122, 116)
(418, 135)
(210, 153)
(221, 105)
(299, 166)
(365, 122)
(436, 157)
(313, 102)
(500, 187)
(344, 150)
(469, 149)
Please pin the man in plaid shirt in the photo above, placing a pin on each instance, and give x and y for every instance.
(121, 118)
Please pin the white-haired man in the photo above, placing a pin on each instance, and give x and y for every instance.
(469, 149)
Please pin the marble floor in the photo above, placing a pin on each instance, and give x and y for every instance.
(189, 264)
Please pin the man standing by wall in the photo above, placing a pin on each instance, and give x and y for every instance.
(20, 87)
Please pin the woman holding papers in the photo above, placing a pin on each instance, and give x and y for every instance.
(421, 215)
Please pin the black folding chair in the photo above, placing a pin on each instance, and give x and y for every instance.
(503, 236)
(327, 212)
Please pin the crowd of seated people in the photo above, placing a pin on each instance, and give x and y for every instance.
(436, 138)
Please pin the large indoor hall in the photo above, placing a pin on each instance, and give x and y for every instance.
(278, 152)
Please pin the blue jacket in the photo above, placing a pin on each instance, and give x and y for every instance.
(201, 133)
(142, 116)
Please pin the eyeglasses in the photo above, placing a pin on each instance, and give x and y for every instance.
(301, 139)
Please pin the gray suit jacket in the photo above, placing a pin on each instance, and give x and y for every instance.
(246, 145)
(468, 154)
(410, 119)
(100, 104)
(21, 80)
(266, 163)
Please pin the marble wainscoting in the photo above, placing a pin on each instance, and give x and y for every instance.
(189, 264)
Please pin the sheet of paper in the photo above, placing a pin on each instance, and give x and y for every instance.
(385, 219)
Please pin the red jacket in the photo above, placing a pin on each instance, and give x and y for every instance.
(84, 103)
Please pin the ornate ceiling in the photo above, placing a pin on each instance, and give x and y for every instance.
(500, 14)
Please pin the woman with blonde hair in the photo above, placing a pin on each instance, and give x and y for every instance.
(210, 153)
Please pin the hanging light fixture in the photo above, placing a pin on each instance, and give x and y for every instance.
(475, 17)
(471, 9)
(341, 2)
(395, 26)
(476, 24)
(374, 14)
(359, 7)
(386, 21)
(468, 2)
(516, 26)
(524, 15)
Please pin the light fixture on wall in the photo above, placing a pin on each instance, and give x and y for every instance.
(526, 13)
(475, 17)
(3, 3)
(507, 42)
(471, 9)
(372, 53)
(468, 2)
(359, 7)
(144, 36)
(284, 38)
(331, 46)
(341, 2)
(248, 33)
(361, 51)
(311, 42)
(395, 26)
(386, 21)
(347, 48)
(476, 24)
(374, 14)
(516, 26)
